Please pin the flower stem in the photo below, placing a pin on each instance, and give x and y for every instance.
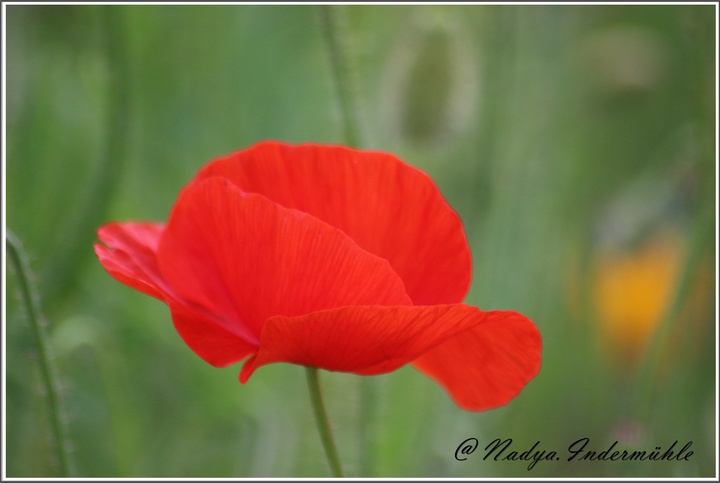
(322, 422)
(30, 299)
(648, 373)
(333, 27)
(335, 33)
(62, 269)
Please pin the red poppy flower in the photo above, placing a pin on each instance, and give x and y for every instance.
(329, 257)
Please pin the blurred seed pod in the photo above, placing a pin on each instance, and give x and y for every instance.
(623, 62)
(430, 82)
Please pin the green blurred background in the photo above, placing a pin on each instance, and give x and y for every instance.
(577, 143)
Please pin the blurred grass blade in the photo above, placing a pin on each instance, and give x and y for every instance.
(647, 376)
(31, 302)
(333, 27)
(76, 245)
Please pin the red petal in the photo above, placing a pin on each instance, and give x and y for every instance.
(209, 338)
(386, 206)
(362, 340)
(129, 255)
(247, 258)
(489, 365)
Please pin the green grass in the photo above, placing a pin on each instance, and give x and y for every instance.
(554, 131)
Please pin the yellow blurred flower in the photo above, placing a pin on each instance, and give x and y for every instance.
(632, 290)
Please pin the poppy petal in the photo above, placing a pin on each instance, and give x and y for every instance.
(243, 256)
(362, 340)
(128, 254)
(487, 366)
(387, 207)
(208, 338)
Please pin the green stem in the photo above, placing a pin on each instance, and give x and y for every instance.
(648, 371)
(72, 251)
(322, 422)
(31, 301)
(704, 223)
(368, 408)
(333, 27)
(335, 34)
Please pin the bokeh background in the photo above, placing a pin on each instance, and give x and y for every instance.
(577, 143)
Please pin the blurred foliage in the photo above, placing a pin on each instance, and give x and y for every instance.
(575, 142)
